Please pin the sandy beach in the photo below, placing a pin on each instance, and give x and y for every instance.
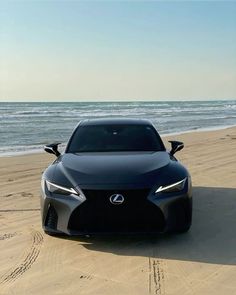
(202, 261)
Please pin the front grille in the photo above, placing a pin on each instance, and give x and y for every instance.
(98, 214)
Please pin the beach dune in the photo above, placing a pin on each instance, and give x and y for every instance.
(202, 261)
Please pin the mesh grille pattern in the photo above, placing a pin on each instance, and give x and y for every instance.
(51, 220)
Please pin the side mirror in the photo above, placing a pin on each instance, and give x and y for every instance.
(176, 146)
(52, 149)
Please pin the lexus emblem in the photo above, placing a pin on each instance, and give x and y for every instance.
(116, 199)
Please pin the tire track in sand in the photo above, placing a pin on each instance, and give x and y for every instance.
(156, 277)
(27, 261)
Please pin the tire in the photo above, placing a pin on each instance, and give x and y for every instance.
(54, 234)
(183, 229)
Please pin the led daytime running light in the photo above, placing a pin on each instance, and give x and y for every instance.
(69, 190)
(163, 188)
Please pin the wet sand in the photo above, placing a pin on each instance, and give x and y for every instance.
(202, 261)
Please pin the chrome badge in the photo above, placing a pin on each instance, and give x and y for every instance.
(116, 199)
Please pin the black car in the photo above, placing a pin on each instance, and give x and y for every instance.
(115, 176)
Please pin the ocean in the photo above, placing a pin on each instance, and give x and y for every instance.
(27, 127)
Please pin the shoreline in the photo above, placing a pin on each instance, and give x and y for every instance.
(194, 131)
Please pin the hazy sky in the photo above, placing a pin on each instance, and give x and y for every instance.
(92, 50)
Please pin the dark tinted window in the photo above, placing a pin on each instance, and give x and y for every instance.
(108, 138)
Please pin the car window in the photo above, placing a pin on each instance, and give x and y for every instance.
(108, 138)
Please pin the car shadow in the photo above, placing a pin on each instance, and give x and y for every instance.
(211, 239)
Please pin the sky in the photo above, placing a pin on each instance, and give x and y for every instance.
(110, 50)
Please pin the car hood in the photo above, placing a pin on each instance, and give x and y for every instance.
(89, 169)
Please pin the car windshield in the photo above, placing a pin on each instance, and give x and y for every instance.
(115, 138)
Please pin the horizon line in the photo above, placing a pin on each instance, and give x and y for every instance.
(131, 100)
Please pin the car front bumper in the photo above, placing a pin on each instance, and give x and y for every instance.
(142, 211)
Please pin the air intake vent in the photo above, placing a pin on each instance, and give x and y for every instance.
(51, 220)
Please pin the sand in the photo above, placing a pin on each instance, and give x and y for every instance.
(203, 261)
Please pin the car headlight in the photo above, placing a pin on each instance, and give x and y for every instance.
(174, 187)
(65, 191)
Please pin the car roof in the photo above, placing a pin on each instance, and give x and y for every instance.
(114, 121)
